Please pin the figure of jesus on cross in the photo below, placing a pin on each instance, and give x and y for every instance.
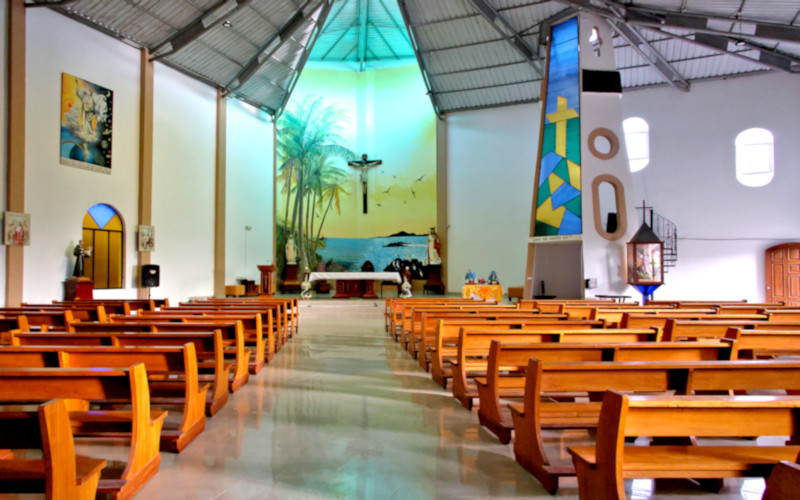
(364, 164)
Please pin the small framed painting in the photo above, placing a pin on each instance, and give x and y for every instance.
(147, 238)
(16, 229)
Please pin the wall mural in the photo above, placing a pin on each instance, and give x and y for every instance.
(558, 199)
(86, 111)
(379, 208)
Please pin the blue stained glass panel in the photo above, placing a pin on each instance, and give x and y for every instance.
(102, 214)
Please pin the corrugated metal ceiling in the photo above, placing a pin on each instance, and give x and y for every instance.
(472, 53)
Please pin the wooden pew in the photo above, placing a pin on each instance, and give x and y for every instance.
(603, 468)
(425, 322)
(80, 311)
(287, 316)
(678, 329)
(394, 306)
(160, 363)
(232, 335)
(251, 325)
(410, 328)
(759, 343)
(507, 364)
(445, 347)
(583, 311)
(281, 317)
(59, 474)
(8, 325)
(782, 314)
(553, 306)
(52, 320)
(782, 482)
(536, 413)
(405, 312)
(127, 385)
(473, 349)
(118, 306)
(208, 345)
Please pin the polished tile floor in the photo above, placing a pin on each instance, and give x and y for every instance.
(343, 412)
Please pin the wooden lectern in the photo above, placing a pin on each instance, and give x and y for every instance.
(267, 279)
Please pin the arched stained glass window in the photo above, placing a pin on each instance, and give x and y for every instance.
(104, 231)
(637, 142)
(755, 157)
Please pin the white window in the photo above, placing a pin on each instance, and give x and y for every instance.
(755, 159)
(637, 142)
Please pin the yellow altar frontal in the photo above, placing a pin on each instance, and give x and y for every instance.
(485, 292)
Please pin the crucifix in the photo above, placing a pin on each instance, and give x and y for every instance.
(364, 164)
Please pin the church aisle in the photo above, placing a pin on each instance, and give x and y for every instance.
(343, 412)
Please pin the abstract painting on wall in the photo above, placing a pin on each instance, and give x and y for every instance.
(558, 193)
(86, 112)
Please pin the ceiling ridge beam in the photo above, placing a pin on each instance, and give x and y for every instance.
(267, 49)
(698, 22)
(399, 28)
(714, 42)
(385, 41)
(363, 17)
(649, 53)
(211, 17)
(615, 17)
(315, 34)
(423, 67)
(510, 34)
(334, 44)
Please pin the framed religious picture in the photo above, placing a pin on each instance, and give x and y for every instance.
(16, 229)
(147, 239)
(86, 111)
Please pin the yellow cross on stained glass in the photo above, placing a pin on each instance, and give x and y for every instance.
(560, 118)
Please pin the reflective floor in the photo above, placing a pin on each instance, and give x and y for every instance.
(343, 412)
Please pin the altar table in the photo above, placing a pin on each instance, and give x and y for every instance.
(485, 292)
(343, 291)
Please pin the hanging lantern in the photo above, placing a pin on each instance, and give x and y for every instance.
(645, 263)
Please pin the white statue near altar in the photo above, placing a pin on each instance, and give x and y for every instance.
(433, 248)
(291, 250)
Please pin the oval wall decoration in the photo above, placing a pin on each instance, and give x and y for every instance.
(619, 199)
(608, 135)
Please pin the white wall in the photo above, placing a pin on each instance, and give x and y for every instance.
(491, 163)
(184, 149)
(249, 192)
(723, 226)
(57, 196)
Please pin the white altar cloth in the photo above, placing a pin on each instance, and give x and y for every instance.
(382, 276)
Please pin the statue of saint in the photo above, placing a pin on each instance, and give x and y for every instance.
(80, 254)
(433, 248)
(291, 251)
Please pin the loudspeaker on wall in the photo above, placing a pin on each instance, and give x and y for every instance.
(150, 275)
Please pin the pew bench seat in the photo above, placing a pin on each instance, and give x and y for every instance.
(60, 474)
(602, 468)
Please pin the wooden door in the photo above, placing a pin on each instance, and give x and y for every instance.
(783, 273)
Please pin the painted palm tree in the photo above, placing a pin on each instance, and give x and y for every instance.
(309, 137)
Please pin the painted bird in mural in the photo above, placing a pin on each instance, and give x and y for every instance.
(387, 190)
(379, 204)
(413, 193)
(419, 179)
